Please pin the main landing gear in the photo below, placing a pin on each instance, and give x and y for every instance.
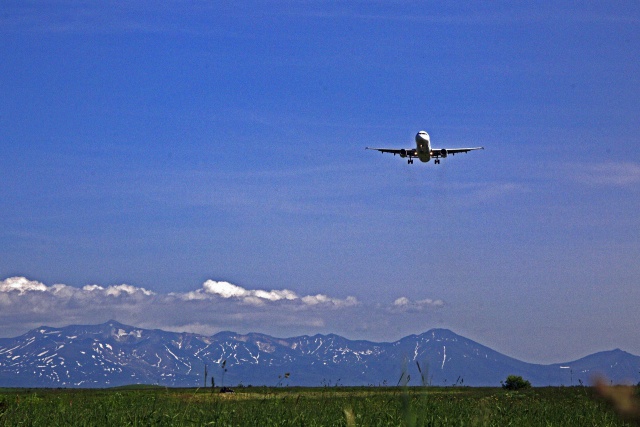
(435, 161)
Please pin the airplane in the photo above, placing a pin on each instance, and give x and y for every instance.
(423, 150)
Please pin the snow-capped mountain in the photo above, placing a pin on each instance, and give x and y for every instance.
(114, 354)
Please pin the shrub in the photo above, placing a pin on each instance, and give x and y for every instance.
(515, 382)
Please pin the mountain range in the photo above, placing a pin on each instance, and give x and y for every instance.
(113, 354)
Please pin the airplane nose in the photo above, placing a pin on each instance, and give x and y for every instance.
(421, 137)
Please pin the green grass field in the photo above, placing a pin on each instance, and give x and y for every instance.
(334, 406)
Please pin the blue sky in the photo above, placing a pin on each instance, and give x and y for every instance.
(184, 149)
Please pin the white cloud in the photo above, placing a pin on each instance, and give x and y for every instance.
(125, 289)
(224, 289)
(323, 299)
(403, 304)
(212, 288)
(216, 306)
(21, 285)
(228, 290)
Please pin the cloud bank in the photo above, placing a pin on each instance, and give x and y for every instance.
(216, 306)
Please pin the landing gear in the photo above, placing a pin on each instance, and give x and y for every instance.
(410, 161)
(436, 162)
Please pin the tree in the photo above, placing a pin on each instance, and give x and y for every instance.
(515, 382)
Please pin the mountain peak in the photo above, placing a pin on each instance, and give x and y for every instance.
(436, 333)
(441, 332)
(116, 324)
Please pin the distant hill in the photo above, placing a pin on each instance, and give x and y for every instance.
(113, 354)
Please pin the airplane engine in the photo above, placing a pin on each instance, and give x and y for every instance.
(443, 153)
(403, 153)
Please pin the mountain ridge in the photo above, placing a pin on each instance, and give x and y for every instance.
(113, 354)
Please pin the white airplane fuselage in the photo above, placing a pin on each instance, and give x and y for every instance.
(423, 146)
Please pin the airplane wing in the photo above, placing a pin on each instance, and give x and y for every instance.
(403, 152)
(456, 150)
